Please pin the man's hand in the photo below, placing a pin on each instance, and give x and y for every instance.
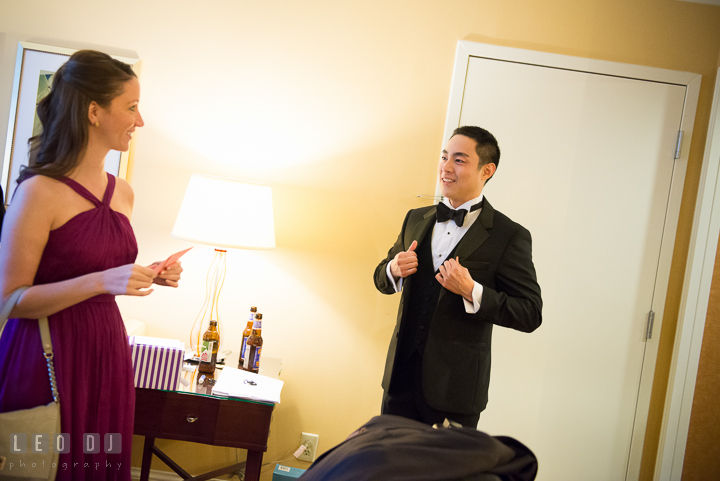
(405, 263)
(455, 278)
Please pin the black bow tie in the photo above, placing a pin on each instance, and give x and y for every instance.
(445, 213)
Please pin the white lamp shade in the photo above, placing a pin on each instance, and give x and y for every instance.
(226, 213)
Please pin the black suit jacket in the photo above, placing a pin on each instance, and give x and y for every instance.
(456, 358)
(395, 448)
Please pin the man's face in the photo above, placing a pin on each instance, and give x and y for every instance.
(460, 179)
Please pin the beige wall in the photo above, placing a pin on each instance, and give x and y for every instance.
(341, 106)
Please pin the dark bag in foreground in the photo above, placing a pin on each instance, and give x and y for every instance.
(393, 448)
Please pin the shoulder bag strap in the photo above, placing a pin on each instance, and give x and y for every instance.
(44, 335)
(48, 352)
(8, 306)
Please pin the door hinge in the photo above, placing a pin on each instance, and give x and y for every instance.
(678, 144)
(649, 327)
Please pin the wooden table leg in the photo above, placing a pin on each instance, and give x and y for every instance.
(254, 463)
(147, 459)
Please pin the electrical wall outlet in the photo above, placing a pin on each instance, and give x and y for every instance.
(311, 443)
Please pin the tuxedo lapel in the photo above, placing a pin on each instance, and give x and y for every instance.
(477, 234)
(419, 231)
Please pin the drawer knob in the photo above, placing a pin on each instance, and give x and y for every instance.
(192, 419)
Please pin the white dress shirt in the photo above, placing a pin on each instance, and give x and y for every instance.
(445, 237)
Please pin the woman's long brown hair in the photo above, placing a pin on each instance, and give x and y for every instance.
(86, 77)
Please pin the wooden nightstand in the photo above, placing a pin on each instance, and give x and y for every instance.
(202, 418)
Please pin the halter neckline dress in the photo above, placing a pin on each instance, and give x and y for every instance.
(92, 355)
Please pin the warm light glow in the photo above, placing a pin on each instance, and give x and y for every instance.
(226, 212)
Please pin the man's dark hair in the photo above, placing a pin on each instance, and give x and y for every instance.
(487, 147)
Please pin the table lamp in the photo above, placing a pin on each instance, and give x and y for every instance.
(224, 213)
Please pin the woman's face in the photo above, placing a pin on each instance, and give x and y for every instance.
(119, 120)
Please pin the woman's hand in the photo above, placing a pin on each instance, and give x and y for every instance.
(170, 276)
(130, 280)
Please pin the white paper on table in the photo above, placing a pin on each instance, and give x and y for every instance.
(232, 383)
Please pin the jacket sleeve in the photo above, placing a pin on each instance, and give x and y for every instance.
(515, 300)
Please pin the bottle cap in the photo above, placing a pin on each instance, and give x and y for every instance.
(253, 309)
(258, 316)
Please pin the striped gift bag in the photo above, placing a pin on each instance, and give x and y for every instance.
(157, 362)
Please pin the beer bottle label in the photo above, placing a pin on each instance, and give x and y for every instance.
(206, 351)
(244, 346)
(256, 360)
(248, 356)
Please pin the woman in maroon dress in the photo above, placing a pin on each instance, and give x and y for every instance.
(67, 234)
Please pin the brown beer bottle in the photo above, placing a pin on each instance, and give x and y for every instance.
(246, 334)
(254, 346)
(209, 349)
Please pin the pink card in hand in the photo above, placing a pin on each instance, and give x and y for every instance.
(169, 261)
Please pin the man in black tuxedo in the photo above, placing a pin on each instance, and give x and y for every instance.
(462, 267)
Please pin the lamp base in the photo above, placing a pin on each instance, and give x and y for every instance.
(209, 311)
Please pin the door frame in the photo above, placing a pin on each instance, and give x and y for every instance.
(691, 81)
(693, 307)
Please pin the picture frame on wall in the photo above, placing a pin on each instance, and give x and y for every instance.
(35, 66)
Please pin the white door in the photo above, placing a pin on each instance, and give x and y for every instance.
(588, 166)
